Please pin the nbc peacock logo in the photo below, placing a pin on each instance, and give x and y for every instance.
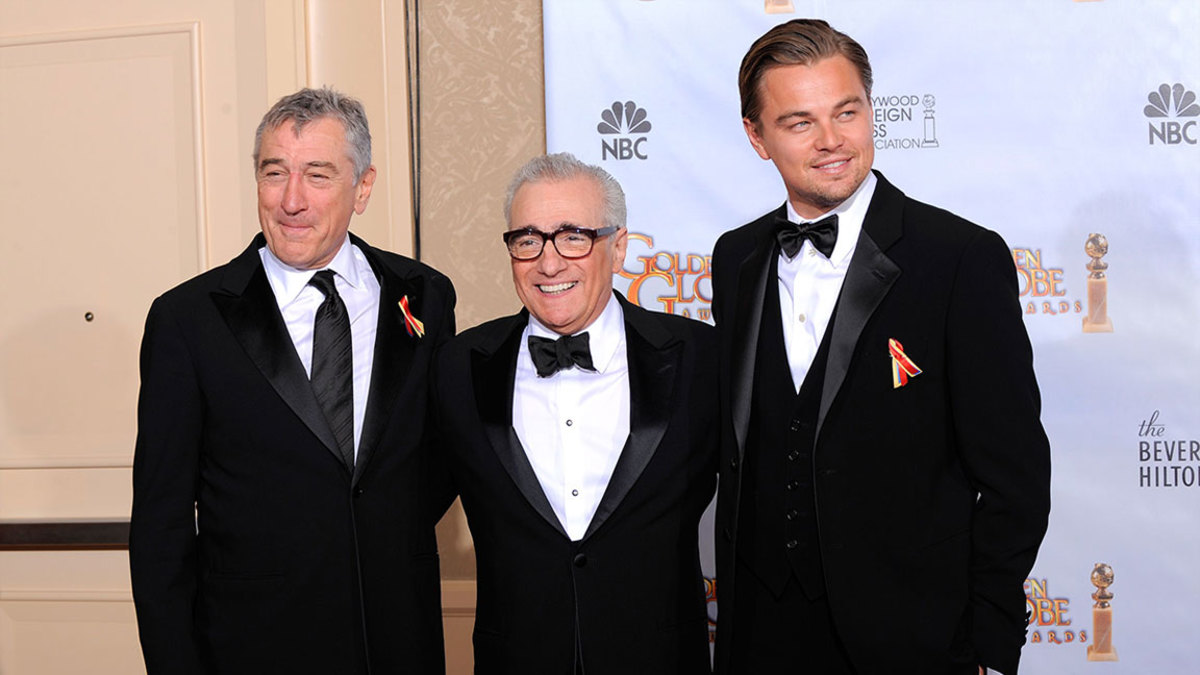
(1167, 103)
(621, 121)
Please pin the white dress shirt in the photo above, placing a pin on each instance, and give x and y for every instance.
(809, 284)
(574, 423)
(298, 302)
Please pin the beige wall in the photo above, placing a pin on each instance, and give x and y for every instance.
(127, 130)
(481, 117)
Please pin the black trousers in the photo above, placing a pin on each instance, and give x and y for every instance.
(786, 634)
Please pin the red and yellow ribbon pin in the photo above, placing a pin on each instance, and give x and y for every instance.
(902, 366)
(411, 324)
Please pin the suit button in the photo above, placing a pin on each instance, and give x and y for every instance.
(580, 560)
(358, 492)
(793, 485)
(793, 455)
(792, 543)
(733, 464)
(795, 425)
(793, 514)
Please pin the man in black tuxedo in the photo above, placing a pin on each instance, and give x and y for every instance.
(886, 482)
(581, 435)
(282, 524)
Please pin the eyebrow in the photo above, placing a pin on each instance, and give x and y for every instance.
(269, 161)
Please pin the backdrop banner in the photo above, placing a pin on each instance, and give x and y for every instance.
(1070, 127)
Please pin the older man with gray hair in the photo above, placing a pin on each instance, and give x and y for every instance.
(282, 517)
(580, 434)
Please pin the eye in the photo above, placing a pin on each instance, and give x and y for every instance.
(573, 238)
(527, 241)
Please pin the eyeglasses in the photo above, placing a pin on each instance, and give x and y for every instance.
(571, 241)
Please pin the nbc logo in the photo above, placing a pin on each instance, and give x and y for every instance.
(1172, 101)
(619, 121)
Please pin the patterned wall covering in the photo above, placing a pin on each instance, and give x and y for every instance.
(480, 84)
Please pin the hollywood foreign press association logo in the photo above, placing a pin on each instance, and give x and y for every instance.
(1169, 103)
(626, 123)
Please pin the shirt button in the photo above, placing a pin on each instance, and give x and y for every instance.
(792, 543)
(801, 317)
(574, 493)
(793, 485)
(570, 423)
(793, 514)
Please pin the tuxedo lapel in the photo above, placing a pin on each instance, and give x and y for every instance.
(393, 357)
(868, 279)
(753, 273)
(249, 308)
(493, 371)
(653, 357)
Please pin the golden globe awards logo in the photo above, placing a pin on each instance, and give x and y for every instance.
(1049, 619)
(626, 123)
(905, 122)
(1042, 287)
(671, 282)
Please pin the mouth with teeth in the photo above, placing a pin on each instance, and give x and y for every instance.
(833, 166)
(556, 289)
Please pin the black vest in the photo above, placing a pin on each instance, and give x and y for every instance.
(777, 527)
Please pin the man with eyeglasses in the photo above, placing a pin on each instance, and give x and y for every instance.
(581, 434)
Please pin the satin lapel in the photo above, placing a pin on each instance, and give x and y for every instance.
(753, 273)
(493, 370)
(653, 358)
(394, 352)
(248, 306)
(868, 279)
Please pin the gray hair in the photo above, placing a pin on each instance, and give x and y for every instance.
(309, 105)
(565, 166)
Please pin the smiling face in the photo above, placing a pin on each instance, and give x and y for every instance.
(566, 295)
(307, 192)
(816, 126)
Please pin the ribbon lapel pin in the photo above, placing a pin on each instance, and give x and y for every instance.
(411, 324)
(902, 366)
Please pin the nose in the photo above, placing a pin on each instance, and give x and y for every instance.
(550, 262)
(828, 137)
(293, 201)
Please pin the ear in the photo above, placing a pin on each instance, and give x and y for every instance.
(620, 243)
(364, 190)
(755, 139)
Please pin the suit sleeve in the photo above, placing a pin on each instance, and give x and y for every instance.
(996, 412)
(162, 537)
(442, 487)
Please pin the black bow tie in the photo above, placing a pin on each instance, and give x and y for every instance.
(822, 234)
(550, 356)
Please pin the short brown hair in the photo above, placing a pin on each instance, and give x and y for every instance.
(797, 42)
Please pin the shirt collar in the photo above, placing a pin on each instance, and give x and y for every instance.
(288, 282)
(850, 213)
(605, 335)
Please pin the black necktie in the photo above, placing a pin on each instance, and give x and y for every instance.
(822, 234)
(550, 356)
(332, 364)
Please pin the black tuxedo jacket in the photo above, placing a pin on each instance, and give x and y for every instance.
(253, 549)
(932, 498)
(629, 596)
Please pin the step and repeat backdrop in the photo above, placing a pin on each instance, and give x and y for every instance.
(1070, 127)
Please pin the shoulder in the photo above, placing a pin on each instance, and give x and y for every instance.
(487, 336)
(403, 266)
(741, 239)
(670, 327)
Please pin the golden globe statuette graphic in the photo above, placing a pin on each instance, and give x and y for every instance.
(1102, 648)
(778, 6)
(1097, 320)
